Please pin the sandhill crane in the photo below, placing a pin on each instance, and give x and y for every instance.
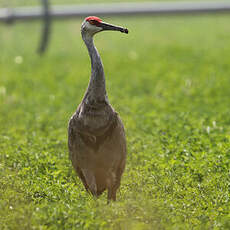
(96, 136)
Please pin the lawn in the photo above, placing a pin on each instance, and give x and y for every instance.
(168, 79)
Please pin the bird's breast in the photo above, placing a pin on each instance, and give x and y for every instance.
(94, 116)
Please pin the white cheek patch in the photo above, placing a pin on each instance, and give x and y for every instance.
(92, 28)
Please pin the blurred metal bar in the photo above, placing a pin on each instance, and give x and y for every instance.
(46, 27)
(121, 9)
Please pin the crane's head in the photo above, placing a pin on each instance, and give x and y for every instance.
(93, 25)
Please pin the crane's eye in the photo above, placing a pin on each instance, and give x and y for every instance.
(94, 22)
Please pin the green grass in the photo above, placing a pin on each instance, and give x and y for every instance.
(169, 80)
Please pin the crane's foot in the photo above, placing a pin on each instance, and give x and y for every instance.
(111, 195)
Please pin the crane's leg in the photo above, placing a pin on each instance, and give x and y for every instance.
(90, 181)
(81, 176)
(112, 189)
(111, 195)
(110, 182)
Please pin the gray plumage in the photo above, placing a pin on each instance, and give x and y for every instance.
(96, 136)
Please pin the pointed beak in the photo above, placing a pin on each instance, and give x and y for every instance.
(106, 26)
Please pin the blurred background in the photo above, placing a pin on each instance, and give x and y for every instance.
(47, 11)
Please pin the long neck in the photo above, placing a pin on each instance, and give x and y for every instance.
(96, 90)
